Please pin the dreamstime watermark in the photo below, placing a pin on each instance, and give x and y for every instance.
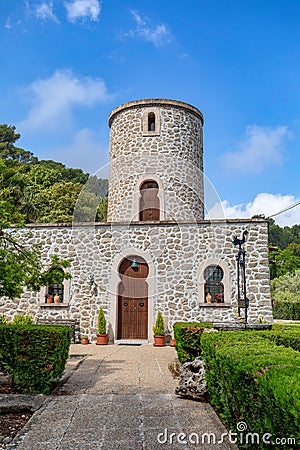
(240, 436)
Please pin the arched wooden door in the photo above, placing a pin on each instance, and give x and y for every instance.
(133, 299)
(149, 202)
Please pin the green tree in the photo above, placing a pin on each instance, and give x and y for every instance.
(283, 261)
(20, 263)
(9, 152)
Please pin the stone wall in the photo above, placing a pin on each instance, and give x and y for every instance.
(173, 154)
(174, 253)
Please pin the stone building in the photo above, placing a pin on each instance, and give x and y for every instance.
(156, 252)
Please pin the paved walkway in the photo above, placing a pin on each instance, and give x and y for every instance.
(120, 397)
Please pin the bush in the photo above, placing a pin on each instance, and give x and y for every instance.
(188, 335)
(253, 380)
(159, 327)
(286, 297)
(287, 310)
(34, 356)
(3, 320)
(21, 319)
(286, 336)
(101, 322)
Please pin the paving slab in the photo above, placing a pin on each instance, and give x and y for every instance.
(121, 397)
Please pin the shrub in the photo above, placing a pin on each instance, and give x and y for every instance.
(188, 335)
(34, 356)
(3, 320)
(21, 319)
(287, 310)
(251, 379)
(101, 322)
(159, 327)
(286, 336)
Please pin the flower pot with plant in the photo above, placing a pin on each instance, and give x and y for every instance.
(84, 339)
(159, 331)
(102, 336)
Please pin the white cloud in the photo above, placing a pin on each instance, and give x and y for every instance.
(157, 34)
(53, 98)
(261, 147)
(264, 203)
(44, 11)
(85, 151)
(83, 9)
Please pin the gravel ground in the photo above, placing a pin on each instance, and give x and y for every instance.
(10, 424)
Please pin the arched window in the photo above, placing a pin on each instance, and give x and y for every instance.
(149, 201)
(213, 287)
(55, 287)
(151, 121)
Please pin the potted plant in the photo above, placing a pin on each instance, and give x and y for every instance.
(159, 331)
(172, 342)
(84, 339)
(102, 335)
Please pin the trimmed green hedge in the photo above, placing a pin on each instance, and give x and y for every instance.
(286, 310)
(188, 335)
(251, 379)
(286, 336)
(33, 356)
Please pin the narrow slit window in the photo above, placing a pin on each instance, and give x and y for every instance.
(151, 121)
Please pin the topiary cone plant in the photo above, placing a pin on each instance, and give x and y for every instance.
(159, 331)
(102, 336)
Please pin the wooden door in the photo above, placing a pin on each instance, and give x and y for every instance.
(149, 203)
(133, 300)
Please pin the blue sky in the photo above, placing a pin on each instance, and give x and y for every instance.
(67, 63)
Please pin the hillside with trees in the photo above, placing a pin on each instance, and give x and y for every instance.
(46, 191)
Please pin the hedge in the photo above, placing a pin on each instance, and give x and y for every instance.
(252, 380)
(188, 335)
(287, 336)
(286, 310)
(34, 356)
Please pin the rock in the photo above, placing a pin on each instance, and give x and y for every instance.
(192, 383)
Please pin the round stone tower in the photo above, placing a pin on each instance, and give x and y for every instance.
(156, 162)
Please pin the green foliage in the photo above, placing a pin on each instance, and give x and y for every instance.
(21, 319)
(48, 191)
(285, 292)
(34, 356)
(3, 320)
(188, 335)
(284, 261)
(101, 322)
(21, 266)
(282, 237)
(159, 326)
(253, 380)
(286, 310)
(8, 151)
(286, 336)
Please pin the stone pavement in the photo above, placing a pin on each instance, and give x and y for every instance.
(120, 397)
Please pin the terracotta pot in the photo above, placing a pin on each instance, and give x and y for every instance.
(84, 340)
(49, 298)
(102, 339)
(208, 298)
(159, 341)
(56, 298)
(172, 342)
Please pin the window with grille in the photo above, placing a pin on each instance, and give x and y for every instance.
(213, 288)
(57, 289)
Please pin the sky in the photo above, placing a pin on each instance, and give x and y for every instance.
(66, 64)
